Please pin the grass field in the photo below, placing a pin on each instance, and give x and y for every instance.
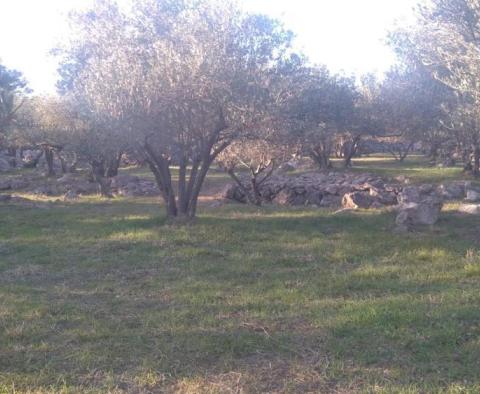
(104, 296)
(417, 168)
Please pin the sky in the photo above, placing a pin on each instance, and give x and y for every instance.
(346, 35)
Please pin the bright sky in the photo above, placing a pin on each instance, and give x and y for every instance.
(343, 34)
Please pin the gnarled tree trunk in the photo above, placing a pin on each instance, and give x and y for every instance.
(49, 158)
(66, 166)
(320, 154)
(257, 178)
(350, 149)
(98, 172)
(113, 165)
(12, 152)
(184, 208)
(476, 161)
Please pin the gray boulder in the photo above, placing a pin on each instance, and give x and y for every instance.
(452, 191)
(281, 198)
(409, 194)
(472, 194)
(427, 189)
(425, 212)
(383, 197)
(234, 193)
(330, 201)
(313, 197)
(291, 197)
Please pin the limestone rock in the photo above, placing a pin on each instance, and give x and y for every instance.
(452, 191)
(330, 201)
(132, 186)
(409, 194)
(425, 212)
(472, 194)
(383, 197)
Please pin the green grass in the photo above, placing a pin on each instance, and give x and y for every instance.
(101, 296)
(104, 296)
(416, 168)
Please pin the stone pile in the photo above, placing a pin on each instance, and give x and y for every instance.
(323, 190)
(71, 185)
(30, 183)
(415, 205)
(15, 183)
(133, 186)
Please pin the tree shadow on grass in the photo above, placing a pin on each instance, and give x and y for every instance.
(238, 292)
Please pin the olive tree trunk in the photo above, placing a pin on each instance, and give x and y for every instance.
(181, 202)
(476, 161)
(49, 158)
(104, 183)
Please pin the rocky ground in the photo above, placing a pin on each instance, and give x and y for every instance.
(74, 185)
(416, 205)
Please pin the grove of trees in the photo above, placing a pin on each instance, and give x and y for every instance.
(195, 83)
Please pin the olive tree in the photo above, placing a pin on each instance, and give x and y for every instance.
(99, 144)
(182, 80)
(451, 55)
(65, 128)
(320, 109)
(45, 123)
(414, 109)
(365, 120)
(252, 159)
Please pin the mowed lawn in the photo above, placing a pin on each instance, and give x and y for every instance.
(104, 296)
